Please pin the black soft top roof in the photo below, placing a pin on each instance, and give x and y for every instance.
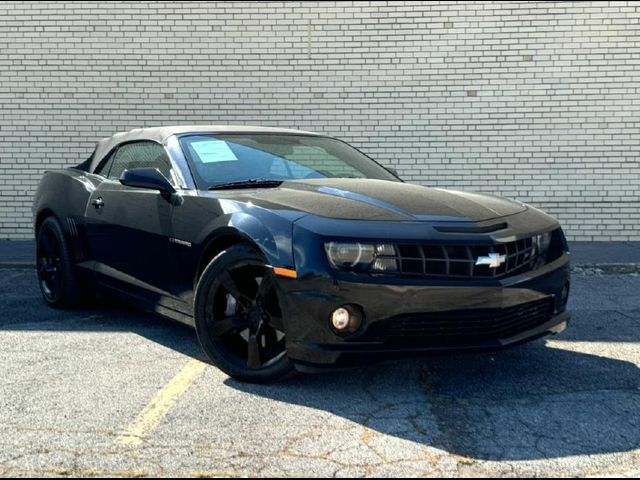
(160, 135)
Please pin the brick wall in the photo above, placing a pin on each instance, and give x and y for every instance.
(537, 101)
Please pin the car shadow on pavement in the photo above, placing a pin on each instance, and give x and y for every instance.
(108, 316)
(532, 402)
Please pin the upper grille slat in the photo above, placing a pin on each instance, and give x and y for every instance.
(458, 261)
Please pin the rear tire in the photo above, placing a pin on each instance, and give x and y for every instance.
(57, 275)
(239, 319)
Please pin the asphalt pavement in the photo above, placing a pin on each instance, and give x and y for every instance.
(112, 391)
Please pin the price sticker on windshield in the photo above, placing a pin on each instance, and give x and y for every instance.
(213, 151)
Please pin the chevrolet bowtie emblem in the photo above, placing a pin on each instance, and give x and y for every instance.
(494, 260)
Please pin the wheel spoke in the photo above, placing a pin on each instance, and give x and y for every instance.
(253, 351)
(270, 337)
(232, 288)
(227, 324)
(266, 283)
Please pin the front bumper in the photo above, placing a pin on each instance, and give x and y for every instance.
(530, 305)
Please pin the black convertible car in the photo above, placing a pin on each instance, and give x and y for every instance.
(292, 250)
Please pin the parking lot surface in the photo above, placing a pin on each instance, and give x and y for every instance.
(112, 391)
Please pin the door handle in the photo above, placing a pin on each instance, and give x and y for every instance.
(98, 203)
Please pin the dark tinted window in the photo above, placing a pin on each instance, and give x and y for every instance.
(137, 155)
(105, 165)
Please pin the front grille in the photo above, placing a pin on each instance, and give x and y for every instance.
(468, 326)
(459, 261)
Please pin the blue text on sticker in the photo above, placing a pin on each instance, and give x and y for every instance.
(211, 151)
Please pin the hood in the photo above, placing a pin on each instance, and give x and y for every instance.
(366, 199)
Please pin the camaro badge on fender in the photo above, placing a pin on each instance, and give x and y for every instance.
(494, 260)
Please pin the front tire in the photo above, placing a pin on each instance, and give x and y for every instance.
(57, 276)
(238, 317)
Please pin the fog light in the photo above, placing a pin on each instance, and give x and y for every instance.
(346, 319)
(340, 318)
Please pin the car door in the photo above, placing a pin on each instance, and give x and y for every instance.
(129, 227)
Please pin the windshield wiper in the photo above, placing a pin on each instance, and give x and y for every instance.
(250, 183)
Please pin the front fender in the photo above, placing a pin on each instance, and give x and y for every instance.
(271, 233)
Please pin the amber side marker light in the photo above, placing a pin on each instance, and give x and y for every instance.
(285, 272)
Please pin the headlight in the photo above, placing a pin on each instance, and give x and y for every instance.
(542, 245)
(543, 241)
(349, 255)
(362, 257)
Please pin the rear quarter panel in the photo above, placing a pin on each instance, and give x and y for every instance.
(64, 194)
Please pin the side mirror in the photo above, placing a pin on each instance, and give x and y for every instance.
(146, 178)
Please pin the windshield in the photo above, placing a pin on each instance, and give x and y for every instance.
(222, 159)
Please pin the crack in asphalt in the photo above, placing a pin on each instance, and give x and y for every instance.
(378, 408)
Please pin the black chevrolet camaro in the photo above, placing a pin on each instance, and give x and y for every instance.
(291, 250)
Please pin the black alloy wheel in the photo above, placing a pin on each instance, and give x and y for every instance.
(239, 317)
(57, 276)
(49, 264)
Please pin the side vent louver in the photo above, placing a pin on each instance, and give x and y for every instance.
(72, 229)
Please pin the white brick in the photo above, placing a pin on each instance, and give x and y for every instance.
(554, 122)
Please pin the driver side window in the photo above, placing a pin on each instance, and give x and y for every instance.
(137, 155)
